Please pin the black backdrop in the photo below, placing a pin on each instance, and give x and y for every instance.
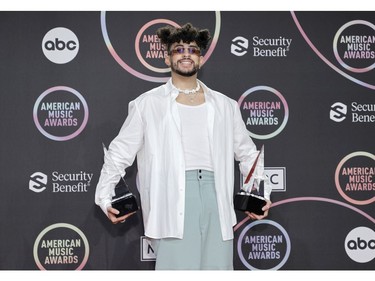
(304, 82)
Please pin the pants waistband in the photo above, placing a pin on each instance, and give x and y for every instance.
(200, 175)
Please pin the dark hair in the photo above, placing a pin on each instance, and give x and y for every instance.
(187, 33)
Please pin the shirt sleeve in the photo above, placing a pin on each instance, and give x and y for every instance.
(246, 152)
(244, 148)
(120, 155)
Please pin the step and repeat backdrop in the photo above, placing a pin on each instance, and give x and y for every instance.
(305, 84)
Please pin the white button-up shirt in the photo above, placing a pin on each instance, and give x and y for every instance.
(152, 133)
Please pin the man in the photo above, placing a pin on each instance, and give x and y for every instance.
(185, 137)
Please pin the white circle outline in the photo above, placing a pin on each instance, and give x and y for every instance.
(286, 110)
(140, 75)
(61, 225)
(355, 230)
(58, 29)
(254, 223)
(138, 41)
(335, 51)
(337, 178)
(72, 135)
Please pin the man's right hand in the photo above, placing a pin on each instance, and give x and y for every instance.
(112, 212)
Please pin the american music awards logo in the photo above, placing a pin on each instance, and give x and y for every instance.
(264, 111)
(145, 59)
(354, 178)
(263, 245)
(61, 246)
(60, 113)
(354, 46)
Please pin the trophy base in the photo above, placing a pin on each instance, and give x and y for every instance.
(249, 202)
(125, 204)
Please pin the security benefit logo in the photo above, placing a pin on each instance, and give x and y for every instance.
(338, 112)
(60, 182)
(61, 246)
(264, 111)
(360, 244)
(263, 245)
(355, 111)
(60, 113)
(260, 46)
(239, 46)
(38, 182)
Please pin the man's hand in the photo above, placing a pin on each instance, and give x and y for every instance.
(112, 212)
(265, 209)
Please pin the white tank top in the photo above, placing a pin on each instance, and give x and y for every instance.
(195, 139)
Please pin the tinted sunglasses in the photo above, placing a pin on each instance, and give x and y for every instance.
(181, 51)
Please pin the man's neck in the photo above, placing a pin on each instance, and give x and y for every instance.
(183, 83)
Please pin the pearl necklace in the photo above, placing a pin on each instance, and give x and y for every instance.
(189, 92)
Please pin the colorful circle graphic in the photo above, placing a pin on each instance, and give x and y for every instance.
(337, 177)
(336, 40)
(323, 58)
(301, 199)
(61, 225)
(276, 225)
(286, 110)
(143, 76)
(138, 40)
(49, 135)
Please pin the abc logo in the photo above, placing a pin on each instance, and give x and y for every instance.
(60, 45)
(360, 244)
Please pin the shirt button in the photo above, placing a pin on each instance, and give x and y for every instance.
(181, 214)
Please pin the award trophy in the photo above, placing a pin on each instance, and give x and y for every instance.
(124, 201)
(245, 199)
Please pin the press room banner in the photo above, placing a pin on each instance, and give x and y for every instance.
(304, 82)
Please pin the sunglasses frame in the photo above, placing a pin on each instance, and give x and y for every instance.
(181, 50)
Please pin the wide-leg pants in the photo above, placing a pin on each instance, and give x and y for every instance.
(202, 246)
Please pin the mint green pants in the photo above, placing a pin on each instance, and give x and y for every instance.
(202, 246)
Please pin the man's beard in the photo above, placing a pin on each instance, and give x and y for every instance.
(187, 73)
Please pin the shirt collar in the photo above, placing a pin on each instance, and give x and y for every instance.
(170, 89)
